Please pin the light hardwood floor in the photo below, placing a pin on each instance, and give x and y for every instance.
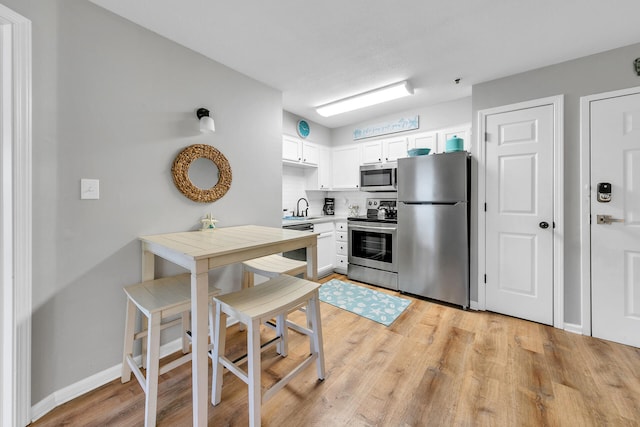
(434, 366)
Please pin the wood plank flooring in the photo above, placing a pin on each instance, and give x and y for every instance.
(434, 366)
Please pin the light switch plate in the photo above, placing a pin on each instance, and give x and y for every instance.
(89, 189)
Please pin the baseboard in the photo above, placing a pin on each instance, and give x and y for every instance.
(572, 327)
(85, 385)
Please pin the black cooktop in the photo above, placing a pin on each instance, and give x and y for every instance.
(364, 218)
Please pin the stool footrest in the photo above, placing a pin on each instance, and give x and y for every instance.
(234, 368)
(242, 359)
(137, 373)
(285, 380)
(163, 326)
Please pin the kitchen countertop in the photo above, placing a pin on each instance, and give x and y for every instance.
(312, 219)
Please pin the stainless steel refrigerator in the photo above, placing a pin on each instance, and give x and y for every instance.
(433, 226)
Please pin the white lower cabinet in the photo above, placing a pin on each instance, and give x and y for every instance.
(326, 248)
(341, 247)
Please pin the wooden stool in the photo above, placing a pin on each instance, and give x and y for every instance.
(253, 306)
(157, 300)
(271, 266)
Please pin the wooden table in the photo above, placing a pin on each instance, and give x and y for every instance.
(201, 251)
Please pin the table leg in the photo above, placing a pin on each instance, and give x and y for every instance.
(312, 262)
(148, 264)
(200, 345)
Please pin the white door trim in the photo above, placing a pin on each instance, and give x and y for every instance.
(558, 199)
(585, 198)
(16, 219)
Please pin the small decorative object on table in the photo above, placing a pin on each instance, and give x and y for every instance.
(208, 223)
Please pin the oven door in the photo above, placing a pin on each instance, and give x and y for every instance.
(373, 245)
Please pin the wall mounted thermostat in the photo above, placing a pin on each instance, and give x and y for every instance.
(604, 192)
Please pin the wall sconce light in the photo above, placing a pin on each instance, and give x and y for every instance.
(207, 124)
(373, 97)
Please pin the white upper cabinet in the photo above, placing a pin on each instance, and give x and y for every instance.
(310, 153)
(424, 140)
(437, 140)
(463, 131)
(346, 167)
(291, 149)
(372, 152)
(297, 151)
(324, 169)
(320, 178)
(394, 148)
(384, 150)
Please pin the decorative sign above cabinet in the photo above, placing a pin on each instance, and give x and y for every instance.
(400, 125)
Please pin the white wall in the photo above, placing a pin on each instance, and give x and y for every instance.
(603, 72)
(318, 134)
(116, 102)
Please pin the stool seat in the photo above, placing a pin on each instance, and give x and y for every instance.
(274, 265)
(271, 266)
(157, 300)
(252, 307)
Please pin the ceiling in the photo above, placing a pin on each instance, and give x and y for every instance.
(319, 51)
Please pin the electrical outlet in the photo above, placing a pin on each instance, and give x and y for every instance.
(89, 189)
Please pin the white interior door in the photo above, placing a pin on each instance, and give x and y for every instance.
(519, 225)
(615, 242)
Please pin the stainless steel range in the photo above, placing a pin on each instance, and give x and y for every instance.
(373, 245)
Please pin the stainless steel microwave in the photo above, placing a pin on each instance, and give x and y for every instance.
(379, 177)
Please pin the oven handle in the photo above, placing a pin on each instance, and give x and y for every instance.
(359, 227)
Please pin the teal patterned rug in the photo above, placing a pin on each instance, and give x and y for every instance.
(374, 305)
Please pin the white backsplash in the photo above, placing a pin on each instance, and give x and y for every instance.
(294, 183)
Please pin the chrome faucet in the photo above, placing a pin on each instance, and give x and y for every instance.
(298, 212)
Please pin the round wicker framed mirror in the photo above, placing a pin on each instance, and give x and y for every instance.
(180, 171)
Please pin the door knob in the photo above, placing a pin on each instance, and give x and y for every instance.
(607, 219)
(544, 224)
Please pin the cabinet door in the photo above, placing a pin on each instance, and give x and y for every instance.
(310, 153)
(346, 167)
(324, 169)
(326, 254)
(424, 140)
(395, 148)
(291, 149)
(463, 132)
(371, 152)
(341, 227)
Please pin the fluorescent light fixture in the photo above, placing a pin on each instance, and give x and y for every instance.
(373, 97)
